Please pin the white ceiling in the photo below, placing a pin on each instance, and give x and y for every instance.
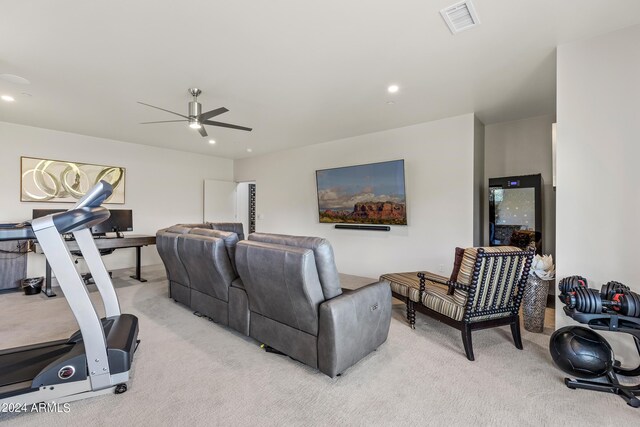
(298, 72)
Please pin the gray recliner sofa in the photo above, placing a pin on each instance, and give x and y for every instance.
(200, 264)
(297, 306)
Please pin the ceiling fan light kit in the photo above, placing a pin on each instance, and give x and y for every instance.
(195, 117)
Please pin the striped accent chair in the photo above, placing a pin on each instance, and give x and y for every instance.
(486, 293)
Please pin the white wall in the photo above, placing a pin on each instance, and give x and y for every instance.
(439, 158)
(163, 187)
(243, 205)
(479, 201)
(220, 201)
(598, 201)
(523, 147)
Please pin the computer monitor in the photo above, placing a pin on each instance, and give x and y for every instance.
(37, 213)
(119, 221)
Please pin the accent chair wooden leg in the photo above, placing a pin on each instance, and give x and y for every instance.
(515, 331)
(466, 340)
(411, 314)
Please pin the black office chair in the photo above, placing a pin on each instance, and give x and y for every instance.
(87, 278)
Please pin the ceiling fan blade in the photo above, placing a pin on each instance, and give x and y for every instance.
(202, 131)
(158, 108)
(163, 121)
(226, 125)
(212, 113)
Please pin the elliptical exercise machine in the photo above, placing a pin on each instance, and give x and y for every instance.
(97, 358)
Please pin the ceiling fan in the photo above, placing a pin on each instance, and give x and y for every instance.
(196, 118)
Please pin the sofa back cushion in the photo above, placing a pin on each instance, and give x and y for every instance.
(323, 254)
(207, 263)
(200, 225)
(469, 260)
(457, 263)
(282, 283)
(498, 276)
(233, 227)
(178, 229)
(167, 245)
(229, 238)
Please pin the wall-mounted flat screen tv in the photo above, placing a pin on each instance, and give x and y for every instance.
(363, 194)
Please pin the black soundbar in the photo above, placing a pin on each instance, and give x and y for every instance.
(363, 227)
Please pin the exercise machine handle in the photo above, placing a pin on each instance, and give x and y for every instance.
(96, 196)
(78, 219)
(85, 214)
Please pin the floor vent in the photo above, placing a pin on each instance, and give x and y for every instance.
(460, 16)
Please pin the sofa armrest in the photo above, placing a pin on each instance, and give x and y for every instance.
(352, 325)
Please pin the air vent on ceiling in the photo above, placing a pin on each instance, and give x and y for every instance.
(460, 16)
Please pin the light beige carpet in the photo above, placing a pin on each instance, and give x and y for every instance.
(190, 371)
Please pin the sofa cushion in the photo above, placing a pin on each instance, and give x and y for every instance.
(323, 254)
(230, 240)
(404, 284)
(505, 282)
(436, 298)
(457, 263)
(178, 229)
(167, 245)
(282, 283)
(469, 261)
(408, 285)
(207, 263)
(200, 225)
(233, 227)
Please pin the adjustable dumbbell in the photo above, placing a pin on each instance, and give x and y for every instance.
(587, 300)
(584, 300)
(628, 304)
(569, 284)
(611, 288)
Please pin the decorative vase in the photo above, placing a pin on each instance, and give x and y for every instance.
(534, 303)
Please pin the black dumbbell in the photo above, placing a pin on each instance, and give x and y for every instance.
(628, 304)
(587, 300)
(609, 289)
(569, 284)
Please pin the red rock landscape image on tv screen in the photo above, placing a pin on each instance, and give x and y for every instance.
(363, 194)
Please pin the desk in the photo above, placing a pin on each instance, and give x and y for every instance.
(132, 241)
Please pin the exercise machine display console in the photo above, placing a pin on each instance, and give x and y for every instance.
(97, 358)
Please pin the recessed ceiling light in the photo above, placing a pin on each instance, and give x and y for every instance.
(212, 141)
(7, 98)
(393, 89)
(249, 150)
(12, 78)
